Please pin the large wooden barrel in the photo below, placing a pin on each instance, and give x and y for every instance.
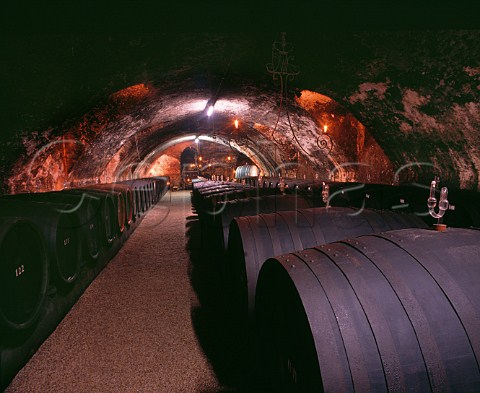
(412, 198)
(363, 195)
(161, 186)
(123, 199)
(61, 229)
(150, 192)
(108, 212)
(253, 239)
(207, 201)
(137, 200)
(207, 186)
(227, 194)
(24, 274)
(221, 189)
(391, 312)
(144, 192)
(467, 208)
(219, 219)
(145, 196)
(128, 198)
(89, 213)
(246, 171)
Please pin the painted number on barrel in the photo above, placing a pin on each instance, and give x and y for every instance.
(66, 241)
(19, 270)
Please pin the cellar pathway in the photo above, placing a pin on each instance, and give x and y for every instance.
(133, 328)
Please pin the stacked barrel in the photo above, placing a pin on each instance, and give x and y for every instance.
(52, 245)
(392, 312)
(353, 292)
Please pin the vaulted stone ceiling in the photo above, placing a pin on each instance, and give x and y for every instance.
(82, 106)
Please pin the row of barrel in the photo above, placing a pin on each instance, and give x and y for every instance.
(52, 245)
(464, 204)
(346, 298)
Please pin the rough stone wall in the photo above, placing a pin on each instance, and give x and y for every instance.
(166, 165)
(416, 92)
(49, 157)
(361, 157)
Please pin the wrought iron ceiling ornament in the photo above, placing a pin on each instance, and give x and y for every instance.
(279, 67)
(325, 142)
(283, 70)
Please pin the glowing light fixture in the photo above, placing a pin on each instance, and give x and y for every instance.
(236, 123)
(325, 128)
(197, 139)
(210, 111)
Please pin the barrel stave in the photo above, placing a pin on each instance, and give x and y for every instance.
(405, 306)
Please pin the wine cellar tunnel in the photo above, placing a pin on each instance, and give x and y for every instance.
(240, 212)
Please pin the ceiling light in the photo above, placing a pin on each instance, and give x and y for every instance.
(210, 111)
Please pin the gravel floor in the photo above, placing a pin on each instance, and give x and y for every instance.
(142, 325)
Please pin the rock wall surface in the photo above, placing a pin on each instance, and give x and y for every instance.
(405, 103)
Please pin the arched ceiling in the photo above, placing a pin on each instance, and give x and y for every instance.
(102, 102)
(164, 118)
